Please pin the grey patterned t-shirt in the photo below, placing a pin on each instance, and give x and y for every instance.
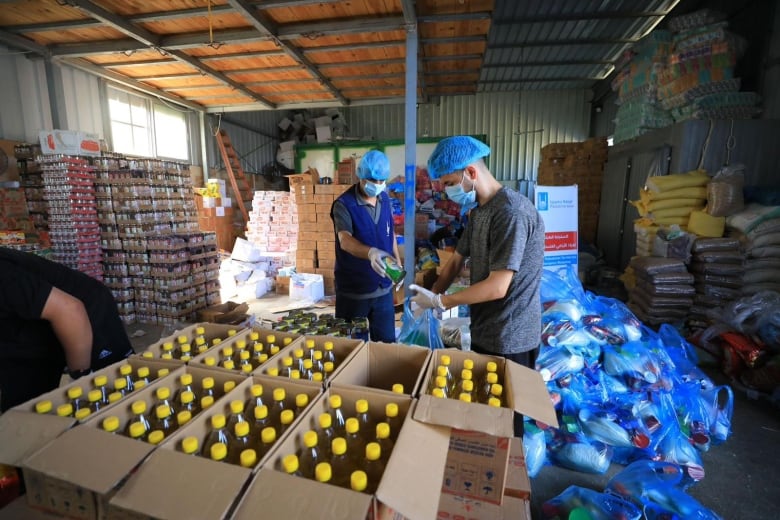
(506, 233)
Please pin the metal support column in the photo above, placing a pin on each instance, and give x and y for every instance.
(51, 86)
(204, 129)
(410, 149)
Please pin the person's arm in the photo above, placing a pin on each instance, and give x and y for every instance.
(69, 320)
(494, 287)
(352, 245)
(396, 254)
(448, 273)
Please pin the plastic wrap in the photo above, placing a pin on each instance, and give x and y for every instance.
(667, 289)
(764, 252)
(720, 257)
(717, 291)
(771, 238)
(716, 268)
(648, 301)
(654, 265)
(703, 245)
(724, 191)
(581, 503)
(587, 457)
(534, 449)
(668, 278)
(732, 282)
(422, 330)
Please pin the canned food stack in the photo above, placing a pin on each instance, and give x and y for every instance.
(69, 190)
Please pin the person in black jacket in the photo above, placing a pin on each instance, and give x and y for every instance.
(52, 317)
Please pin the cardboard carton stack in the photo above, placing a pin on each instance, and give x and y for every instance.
(32, 182)
(273, 222)
(216, 213)
(69, 189)
(316, 252)
(160, 268)
(565, 164)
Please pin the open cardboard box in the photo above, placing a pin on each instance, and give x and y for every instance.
(381, 365)
(343, 348)
(229, 313)
(23, 432)
(172, 485)
(524, 393)
(278, 494)
(213, 331)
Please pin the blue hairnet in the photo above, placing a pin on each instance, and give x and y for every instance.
(374, 165)
(455, 153)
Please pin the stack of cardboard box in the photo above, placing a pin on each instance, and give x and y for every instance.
(316, 252)
(565, 164)
(273, 222)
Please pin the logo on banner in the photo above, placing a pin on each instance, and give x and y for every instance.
(542, 201)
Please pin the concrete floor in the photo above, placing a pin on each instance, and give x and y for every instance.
(742, 476)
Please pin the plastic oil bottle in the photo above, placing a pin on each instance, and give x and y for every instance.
(278, 405)
(339, 422)
(301, 402)
(239, 443)
(267, 440)
(394, 419)
(76, 396)
(325, 435)
(356, 444)
(341, 464)
(358, 481)
(384, 440)
(218, 434)
(236, 414)
(255, 397)
(366, 422)
(163, 395)
(164, 420)
(190, 445)
(126, 372)
(373, 465)
(207, 387)
(101, 383)
(310, 454)
(483, 392)
(261, 420)
(95, 399)
(139, 415)
(187, 402)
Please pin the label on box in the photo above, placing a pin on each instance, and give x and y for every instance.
(476, 466)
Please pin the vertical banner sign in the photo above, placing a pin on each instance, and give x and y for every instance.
(558, 207)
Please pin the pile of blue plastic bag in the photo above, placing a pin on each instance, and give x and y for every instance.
(625, 394)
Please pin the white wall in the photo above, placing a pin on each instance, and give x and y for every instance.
(24, 97)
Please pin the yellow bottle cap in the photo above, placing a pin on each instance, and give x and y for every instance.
(308, 364)
(301, 400)
(494, 401)
(185, 379)
(339, 446)
(155, 437)
(270, 338)
(111, 423)
(248, 458)
(398, 388)
(358, 481)
(256, 390)
(469, 364)
(496, 390)
(167, 346)
(441, 382)
(465, 397)
(468, 385)
(268, 435)
(183, 417)
(258, 347)
(189, 445)
(298, 353)
(237, 406)
(241, 429)
(125, 370)
(94, 396)
(335, 401)
(163, 393)
(185, 357)
(65, 410)
(295, 374)
(228, 386)
(491, 366)
(492, 378)
(227, 351)
(279, 394)
(75, 392)
(373, 451)
(187, 397)
(261, 412)
(317, 377)
(286, 341)
(438, 392)
(382, 430)
(441, 371)
(183, 339)
(286, 417)
(216, 341)
(100, 380)
(162, 411)
(317, 355)
(262, 358)
(114, 397)
(310, 344)
(218, 451)
(143, 372)
(254, 336)
(206, 401)
(82, 413)
(245, 355)
(328, 367)
(466, 374)
(323, 472)
(186, 349)
(166, 355)
(43, 406)
(287, 361)
(228, 363)
(147, 355)
(328, 345)
(138, 407)
(200, 342)
(137, 429)
(290, 463)
(207, 383)
(445, 360)
(217, 421)
(273, 350)
(325, 420)
(120, 384)
(232, 332)
(391, 409)
(163, 372)
(200, 331)
(246, 369)
(310, 439)
(361, 406)
(139, 384)
(273, 372)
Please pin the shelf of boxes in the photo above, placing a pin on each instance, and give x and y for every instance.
(273, 222)
(32, 182)
(69, 190)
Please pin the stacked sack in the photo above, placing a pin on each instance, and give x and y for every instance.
(758, 228)
(636, 84)
(663, 291)
(717, 267)
(666, 201)
(698, 81)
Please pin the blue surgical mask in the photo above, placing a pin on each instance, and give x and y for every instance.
(372, 190)
(466, 199)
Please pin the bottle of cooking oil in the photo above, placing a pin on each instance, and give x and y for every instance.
(329, 355)
(226, 354)
(126, 373)
(207, 387)
(318, 362)
(341, 463)
(465, 384)
(166, 350)
(139, 415)
(301, 402)
(271, 345)
(374, 465)
(185, 385)
(267, 440)
(111, 424)
(326, 435)
(327, 369)
(206, 401)
(310, 349)
(497, 392)
(218, 434)
(490, 368)
(298, 359)
(143, 376)
(483, 392)
(308, 369)
(236, 414)
(75, 394)
(240, 442)
(367, 424)
(248, 458)
(187, 402)
(240, 347)
(244, 360)
(190, 445)
(291, 465)
(310, 454)
(384, 440)
(440, 388)
(95, 399)
(101, 383)
(397, 388)
(164, 420)
(394, 419)
(255, 397)
(218, 452)
(261, 420)
(356, 444)
(277, 406)
(287, 366)
(65, 410)
(137, 431)
(359, 481)
(323, 472)
(339, 422)
(155, 437)
(285, 420)
(163, 395)
(43, 407)
(120, 386)
(446, 361)
(183, 418)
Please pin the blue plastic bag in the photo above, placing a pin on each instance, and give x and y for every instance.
(535, 448)
(595, 505)
(422, 330)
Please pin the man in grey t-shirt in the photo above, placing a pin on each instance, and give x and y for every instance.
(505, 241)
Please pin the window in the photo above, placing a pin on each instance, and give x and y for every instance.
(141, 127)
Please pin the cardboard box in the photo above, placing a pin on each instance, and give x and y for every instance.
(381, 365)
(344, 349)
(283, 285)
(10, 172)
(228, 313)
(524, 393)
(518, 484)
(212, 331)
(457, 507)
(476, 466)
(282, 340)
(307, 287)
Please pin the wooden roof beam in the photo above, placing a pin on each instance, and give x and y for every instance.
(369, 63)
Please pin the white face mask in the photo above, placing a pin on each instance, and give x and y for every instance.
(373, 190)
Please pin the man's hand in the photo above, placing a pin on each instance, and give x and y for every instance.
(425, 299)
(377, 258)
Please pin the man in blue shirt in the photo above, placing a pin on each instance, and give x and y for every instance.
(363, 223)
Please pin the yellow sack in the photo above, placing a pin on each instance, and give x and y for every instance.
(649, 230)
(674, 203)
(678, 180)
(706, 225)
(692, 192)
(628, 278)
(669, 221)
(674, 212)
(640, 207)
